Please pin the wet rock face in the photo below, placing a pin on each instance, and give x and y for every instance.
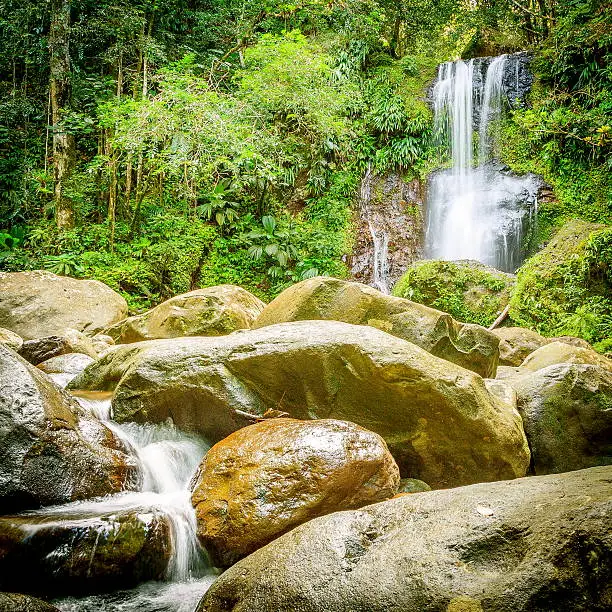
(51, 452)
(38, 304)
(516, 80)
(541, 543)
(440, 421)
(395, 209)
(467, 345)
(265, 479)
(213, 311)
(15, 602)
(80, 554)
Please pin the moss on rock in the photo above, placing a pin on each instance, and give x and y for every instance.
(468, 290)
(566, 287)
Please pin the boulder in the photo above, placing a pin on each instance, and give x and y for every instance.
(567, 414)
(69, 341)
(71, 363)
(265, 479)
(51, 452)
(213, 311)
(468, 290)
(10, 339)
(534, 544)
(469, 346)
(15, 602)
(412, 485)
(561, 352)
(38, 304)
(516, 344)
(441, 423)
(75, 552)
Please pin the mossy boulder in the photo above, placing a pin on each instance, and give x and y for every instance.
(469, 346)
(567, 287)
(468, 290)
(534, 544)
(74, 551)
(51, 451)
(567, 414)
(267, 478)
(213, 311)
(440, 421)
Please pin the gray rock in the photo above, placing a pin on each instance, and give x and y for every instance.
(70, 341)
(38, 304)
(51, 451)
(529, 545)
(71, 363)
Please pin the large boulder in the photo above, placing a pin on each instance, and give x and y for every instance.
(69, 341)
(567, 285)
(567, 414)
(10, 339)
(38, 304)
(534, 544)
(440, 421)
(469, 346)
(265, 479)
(468, 290)
(63, 368)
(561, 352)
(78, 552)
(214, 311)
(16, 602)
(516, 344)
(51, 452)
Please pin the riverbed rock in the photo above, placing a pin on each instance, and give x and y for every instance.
(38, 304)
(517, 343)
(51, 451)
(534, 544)
(16, 602)
(213, 311)
(439, 420)
(561, 352)
(567, 414)
(73, 551)
(265, 479)
(71, 363)
(469, 346)
(69, 341)
(412, 485)
(468, 290)
(10, 339)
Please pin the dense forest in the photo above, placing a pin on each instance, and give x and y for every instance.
(164, 145)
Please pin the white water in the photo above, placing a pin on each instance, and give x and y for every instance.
(168, 459)
(380, 238)
(475, 212)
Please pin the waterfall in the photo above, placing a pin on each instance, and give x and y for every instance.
(477, 212)
(380, 238)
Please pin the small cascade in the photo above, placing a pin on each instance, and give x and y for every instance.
(380, 238)
(480, 212)
(168, 459)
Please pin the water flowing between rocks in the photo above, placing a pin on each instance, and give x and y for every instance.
(168, 460)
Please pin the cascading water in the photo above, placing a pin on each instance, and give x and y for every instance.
(482, 212)
(168, 459)
(380, 238)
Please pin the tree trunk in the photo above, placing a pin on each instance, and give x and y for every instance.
(64, 152)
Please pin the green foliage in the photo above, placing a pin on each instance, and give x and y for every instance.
(470, 292)
(567, 287)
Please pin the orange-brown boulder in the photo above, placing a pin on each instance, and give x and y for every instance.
(267, 478)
